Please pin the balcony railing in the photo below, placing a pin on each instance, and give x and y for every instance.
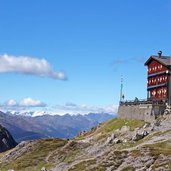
(142, 101)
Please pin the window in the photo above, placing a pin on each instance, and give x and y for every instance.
(154, 92)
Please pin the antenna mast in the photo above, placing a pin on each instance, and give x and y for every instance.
(121, 90)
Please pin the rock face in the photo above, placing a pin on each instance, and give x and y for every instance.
(6, 140)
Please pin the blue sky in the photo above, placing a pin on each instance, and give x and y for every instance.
(92, 42)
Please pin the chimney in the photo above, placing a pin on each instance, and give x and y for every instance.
(160, 53)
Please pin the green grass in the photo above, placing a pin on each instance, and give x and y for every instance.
(160, 148)
(112, 160)
(155, 150)
(166, 165)
(136, 153)
(67, 154)
(112, 125)
(130, 144)
(83, 165)
(161, 133)
(135, 143)
(169, 165)
(119, 123)
(34, 159)
(128, 168)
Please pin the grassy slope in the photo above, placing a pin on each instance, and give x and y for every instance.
(112, 125)
(36, 158)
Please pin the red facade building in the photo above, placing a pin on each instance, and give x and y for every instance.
(158, 100)
(158, 78)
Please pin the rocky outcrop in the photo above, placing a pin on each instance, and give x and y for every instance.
(140, 135)
(6, 140)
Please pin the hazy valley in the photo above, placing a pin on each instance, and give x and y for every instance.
(46, 126)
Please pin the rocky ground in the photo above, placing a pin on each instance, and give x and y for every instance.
(118, 144)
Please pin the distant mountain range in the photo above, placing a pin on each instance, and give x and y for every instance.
(29, 113)
(24, 127)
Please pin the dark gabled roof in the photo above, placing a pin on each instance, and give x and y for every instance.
(165, 60)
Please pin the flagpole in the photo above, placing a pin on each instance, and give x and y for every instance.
(121, 90)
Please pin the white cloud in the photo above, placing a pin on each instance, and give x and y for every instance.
(29, 65)
(11, 102)
(72, 108)
(24, 103)
(36, 106)
(28, 102)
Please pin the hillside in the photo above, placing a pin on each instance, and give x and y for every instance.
(123, 145)
(6, 140)
(46, 126)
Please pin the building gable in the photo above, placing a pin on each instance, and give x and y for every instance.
(164, 60)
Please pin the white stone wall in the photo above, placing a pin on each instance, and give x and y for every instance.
(146, 112)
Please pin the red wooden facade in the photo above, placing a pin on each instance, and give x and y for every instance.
(157, 83)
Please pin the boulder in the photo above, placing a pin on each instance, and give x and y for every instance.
(113, 136)
(138, 136)
(110, 139)
(144, 133)
(152, 128)
(157, 123)
(113, 140)
(125, 141)
(125, 129)
(117, 141)
(43, 169)
(146, 125)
